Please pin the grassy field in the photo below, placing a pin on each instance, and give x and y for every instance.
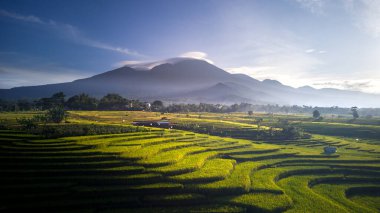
(183, 171)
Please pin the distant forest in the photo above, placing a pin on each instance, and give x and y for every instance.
(116, 102)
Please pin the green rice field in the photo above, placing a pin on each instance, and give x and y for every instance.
(170, 170)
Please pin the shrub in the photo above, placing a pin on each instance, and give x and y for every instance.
(56, 131)
(292, 132)
(56, 114)
(27, 123)
(316, 114)
(3, 124)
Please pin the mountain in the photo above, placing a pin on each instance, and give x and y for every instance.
(191, 81)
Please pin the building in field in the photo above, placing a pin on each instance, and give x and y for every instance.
(330, 149)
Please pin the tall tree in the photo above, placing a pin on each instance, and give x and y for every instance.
(316, 114)
(56, 114)
(56, 100)
(82, 102)
(354, 111)
(113, 101)
(157, 105)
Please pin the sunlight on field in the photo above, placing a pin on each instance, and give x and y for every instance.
(168, 169)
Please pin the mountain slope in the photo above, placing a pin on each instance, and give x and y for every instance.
(190, 80)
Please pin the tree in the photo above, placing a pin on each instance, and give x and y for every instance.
(24, 105)
(157, 105)
(82, 102)
(56, 114)
(113, 101)
(354, 111)
(259, 121)
(292, 132)
(27, 123)
(316, 114)
(56, 100)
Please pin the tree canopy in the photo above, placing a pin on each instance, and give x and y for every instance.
(316, 114)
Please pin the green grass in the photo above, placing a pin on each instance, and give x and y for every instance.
(188, 164)
(367, 201)
(337, 194)
(213, 169)
(264, 201)
(238, 181)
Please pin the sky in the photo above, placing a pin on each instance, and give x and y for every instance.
(320, 43)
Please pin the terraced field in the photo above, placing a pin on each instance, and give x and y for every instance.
(177, 171)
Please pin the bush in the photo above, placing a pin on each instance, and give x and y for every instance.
(27, 123)
(292, 132)
(56, 114)
(3, 124)
(56, 131)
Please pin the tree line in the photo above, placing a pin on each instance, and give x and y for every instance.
(77, 102)
(114, 101)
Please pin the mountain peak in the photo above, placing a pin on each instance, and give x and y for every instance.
(193, 79)
(272, 82)
(306, 88)
(145, 65)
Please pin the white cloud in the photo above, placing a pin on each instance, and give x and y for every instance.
(363, 85)
(141, 65)
(318, 81)
(315, 6)
(29, 18)
(310, 51)
(69, 32)
(196, 55)
(128, 63)
(366, 15)
(146, 65)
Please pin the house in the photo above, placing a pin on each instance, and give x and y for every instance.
(153, 123)
(330, 149)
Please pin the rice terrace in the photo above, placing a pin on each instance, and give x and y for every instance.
(170, 170)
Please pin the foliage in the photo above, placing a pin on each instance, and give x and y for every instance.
(112, 101)
(292, 132)
(354, 111)
(316, 114)
(116, 102)
(82, 102)
(3, 124)
(157, 105)
(56, 114)
(67, 130)
(56, 100)
(27, 124)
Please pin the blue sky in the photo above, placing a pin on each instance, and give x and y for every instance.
(321, 43)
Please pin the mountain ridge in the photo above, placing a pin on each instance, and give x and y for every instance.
(194, 81)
